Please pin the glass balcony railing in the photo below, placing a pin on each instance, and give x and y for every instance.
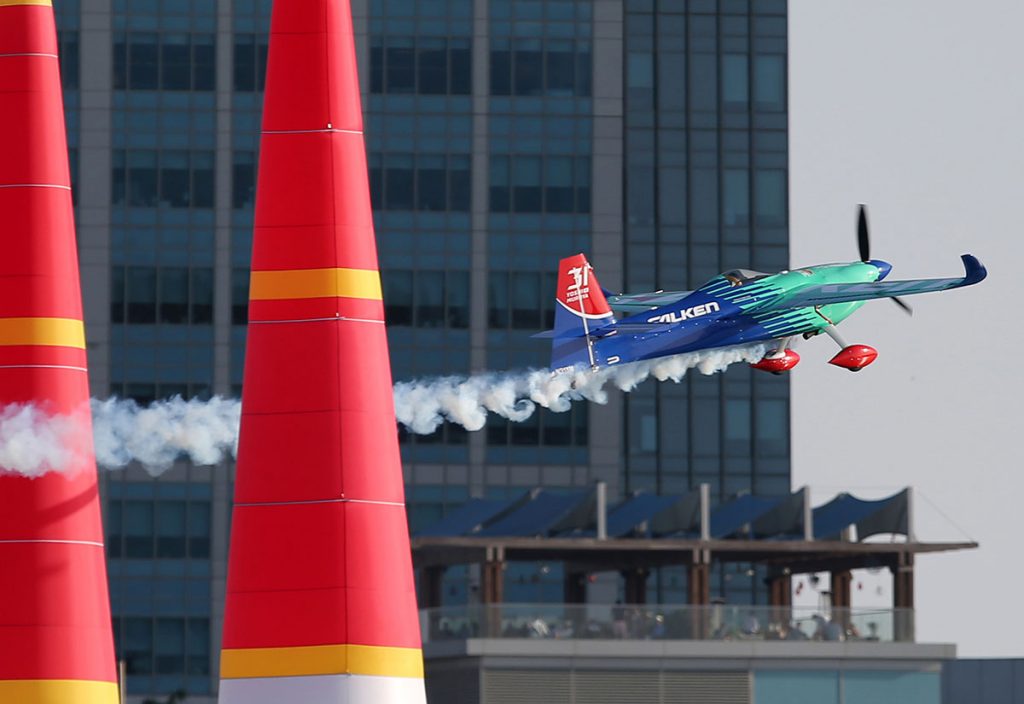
(666, 622)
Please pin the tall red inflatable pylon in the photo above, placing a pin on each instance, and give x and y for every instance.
(56, 644)
(320, 599)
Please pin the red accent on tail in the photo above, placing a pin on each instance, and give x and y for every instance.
(578, 289)
(782, 363)
(855, 357)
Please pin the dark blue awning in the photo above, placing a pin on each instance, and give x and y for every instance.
(729, 518)
(546, 512)
(468, 517)
(888, 515)
(625, 518)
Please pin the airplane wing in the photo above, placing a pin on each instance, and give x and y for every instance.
(638, 302)
(974, 272)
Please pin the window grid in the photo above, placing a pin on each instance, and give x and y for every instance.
(420, 65)
(426, 299)
(169, 178)
(419, 181)
(173, 61)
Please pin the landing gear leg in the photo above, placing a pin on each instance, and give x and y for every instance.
(834, 334)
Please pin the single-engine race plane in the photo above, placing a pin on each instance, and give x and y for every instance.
(739, 307)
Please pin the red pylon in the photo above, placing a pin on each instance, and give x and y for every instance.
(55, 633)
(320, 598)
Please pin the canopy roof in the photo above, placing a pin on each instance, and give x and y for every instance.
(550, 513)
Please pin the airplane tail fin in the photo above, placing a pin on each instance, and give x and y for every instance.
(581, 313)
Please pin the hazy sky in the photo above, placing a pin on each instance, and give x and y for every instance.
(916, 107)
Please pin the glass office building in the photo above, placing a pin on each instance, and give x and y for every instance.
(501, 135)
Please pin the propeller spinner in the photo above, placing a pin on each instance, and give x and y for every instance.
(864, 247)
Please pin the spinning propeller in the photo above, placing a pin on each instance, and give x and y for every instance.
(864, 246)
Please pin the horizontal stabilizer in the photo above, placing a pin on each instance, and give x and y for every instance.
(627, 328)
(639, 302)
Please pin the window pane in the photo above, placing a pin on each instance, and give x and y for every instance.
(202, 179)
(431, 183)
(457, 293)
(245, 63)
(377, 65)
(459, 193)
(397, 297)
(429, 298)
(199, 530)
(239, 296)
(204, 63)
(170, 529)
(525, 299)
(117, 283)
(736, 197)
(198, 645)
(734, 80)
(770, 82)
(560, 63)
(138, 529)
(170, 646)
(173, 295)
(398, 181)
(202, 296)
(141, 294)
(142, 178)
(558, 190)
(175, 188)
(142, 61)
(175, 66)
(460, 60)
(557, 428)
(501, 68)
(400, 63)
(497, 310)
(770, 196)
(499, 183)
(528, 67)
(243, 180)
(526, 180)
(433, 66)
(120, 61)
(138, 646)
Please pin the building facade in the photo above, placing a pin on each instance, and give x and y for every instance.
(502, 135)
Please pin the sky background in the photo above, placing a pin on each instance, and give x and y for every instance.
(916, 108)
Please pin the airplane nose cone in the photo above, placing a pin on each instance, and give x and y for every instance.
(883, 268)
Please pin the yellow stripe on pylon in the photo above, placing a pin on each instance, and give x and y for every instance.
(240, 663)
(8, 3)
(58, 691)
(53, 332)
(314, 283)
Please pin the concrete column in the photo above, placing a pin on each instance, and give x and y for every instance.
(479, 208)
(699, 593)
(606, 425)
(903, 597)
(222, 199)
(96, 44)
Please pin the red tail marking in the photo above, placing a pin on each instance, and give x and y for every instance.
(578, 289)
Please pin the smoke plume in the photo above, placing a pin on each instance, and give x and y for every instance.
(34, 442)
(423, 405)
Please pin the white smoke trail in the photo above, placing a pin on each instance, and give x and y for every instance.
(206, 432)
(34, 442)
(423, 405)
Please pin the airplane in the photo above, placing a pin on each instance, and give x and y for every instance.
(738, 307)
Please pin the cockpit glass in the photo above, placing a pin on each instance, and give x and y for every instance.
(742, 276)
